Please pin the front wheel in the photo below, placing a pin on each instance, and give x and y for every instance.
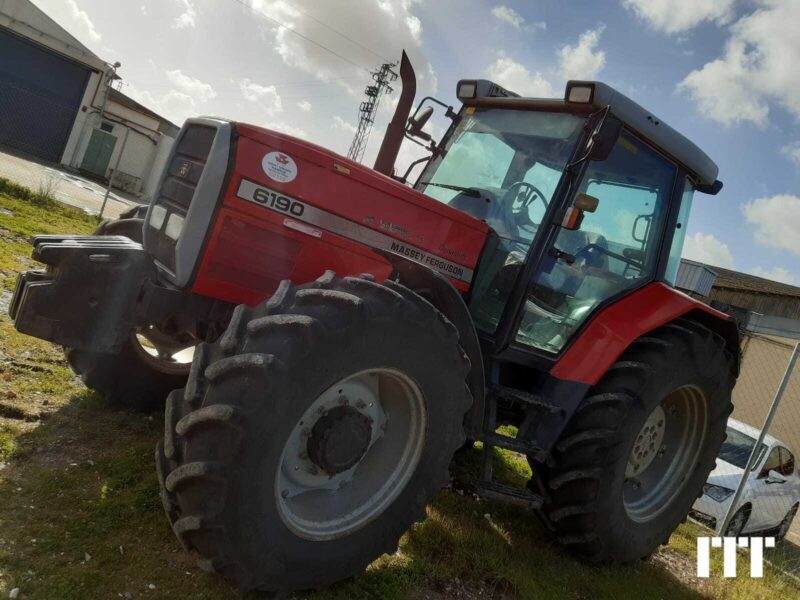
(313, 433)
(640, 446)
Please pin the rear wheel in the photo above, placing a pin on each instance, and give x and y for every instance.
(313, 433)
(640, 446)
(786, 524)
(150, 363)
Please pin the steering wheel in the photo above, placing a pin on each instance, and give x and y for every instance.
(521, 195)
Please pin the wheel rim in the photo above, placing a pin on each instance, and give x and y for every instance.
(161, 353)
(665, 452)
(351, 454)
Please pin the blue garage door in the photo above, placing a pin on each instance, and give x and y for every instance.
(40, 94)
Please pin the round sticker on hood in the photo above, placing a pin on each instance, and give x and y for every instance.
(279, 167)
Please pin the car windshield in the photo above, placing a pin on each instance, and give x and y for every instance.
(737, 448)
(502, 166)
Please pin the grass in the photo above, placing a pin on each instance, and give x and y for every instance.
(80, 515)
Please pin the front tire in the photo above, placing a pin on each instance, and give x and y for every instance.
(277, 468)
(640, 446)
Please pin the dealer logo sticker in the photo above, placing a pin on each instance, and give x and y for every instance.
(279, 167)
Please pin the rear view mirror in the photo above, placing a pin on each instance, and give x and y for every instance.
(583, 203)
(774, 477)
(418, 121)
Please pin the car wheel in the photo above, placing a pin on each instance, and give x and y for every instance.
(786, 524)
(737, 523)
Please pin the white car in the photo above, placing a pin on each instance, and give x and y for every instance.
(771, 496)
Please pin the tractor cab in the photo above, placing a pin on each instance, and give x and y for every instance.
(587, 199)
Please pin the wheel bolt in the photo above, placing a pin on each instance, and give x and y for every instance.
(361, 405)
(312, 470)
(285, 494)
(303, 455)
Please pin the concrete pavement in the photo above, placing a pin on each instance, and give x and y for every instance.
(67, 187)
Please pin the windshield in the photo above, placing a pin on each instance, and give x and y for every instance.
(502, 166)
(737, 448)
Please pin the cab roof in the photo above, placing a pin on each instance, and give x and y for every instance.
(597, 95)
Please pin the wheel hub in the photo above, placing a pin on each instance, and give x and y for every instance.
(339, 439)
(351, 453)
(648, 443)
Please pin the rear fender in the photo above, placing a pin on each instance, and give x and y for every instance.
(438, 290)
(616, 327)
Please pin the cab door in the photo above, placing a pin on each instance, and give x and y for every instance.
(615, 250)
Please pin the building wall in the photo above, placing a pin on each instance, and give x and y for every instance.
(767, 304)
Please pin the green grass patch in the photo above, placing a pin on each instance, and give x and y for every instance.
(81, 515)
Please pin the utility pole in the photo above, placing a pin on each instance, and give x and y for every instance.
(369, 108)
(112, 71)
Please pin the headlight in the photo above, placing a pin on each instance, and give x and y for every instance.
(717, 492)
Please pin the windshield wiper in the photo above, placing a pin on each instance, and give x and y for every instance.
(472, 192)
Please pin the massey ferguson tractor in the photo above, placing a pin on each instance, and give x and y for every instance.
(324, 337)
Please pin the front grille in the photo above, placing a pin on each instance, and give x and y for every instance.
(178, 189)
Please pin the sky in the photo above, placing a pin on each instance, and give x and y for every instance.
(723, 72)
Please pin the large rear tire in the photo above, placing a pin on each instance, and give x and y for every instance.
(313, 433)
(640, 446)
(143, 372)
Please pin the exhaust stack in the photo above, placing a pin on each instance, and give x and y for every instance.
(387, 155)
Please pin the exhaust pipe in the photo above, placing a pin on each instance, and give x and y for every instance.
(387, 155)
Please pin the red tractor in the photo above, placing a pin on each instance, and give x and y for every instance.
(525, 278)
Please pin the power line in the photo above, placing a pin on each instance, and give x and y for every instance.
(336, 31)
(297, 33)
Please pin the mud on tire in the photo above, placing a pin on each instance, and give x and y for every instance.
(225, 433)
(592, 503)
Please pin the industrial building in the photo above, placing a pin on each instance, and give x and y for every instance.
(58, 105)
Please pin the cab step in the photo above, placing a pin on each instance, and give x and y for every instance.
(499, 491)
(523, 397)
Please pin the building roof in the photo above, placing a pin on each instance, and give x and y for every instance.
(27, 19)
(165, 126)
(733, 280)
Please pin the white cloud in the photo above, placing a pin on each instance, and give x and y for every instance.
(792, 152)
(82, 20)
(584, 60)
(341, 124)
(382, 30)
(676, 16)
(776, 274)
(517, 78)
(173, 105)
(705, 248)
(265, 96)
(776, 220)
(183, 101)
(188, 18)
(508, 15)
(304, 105)
(198, 90)
(286, 128)
(756, 70)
